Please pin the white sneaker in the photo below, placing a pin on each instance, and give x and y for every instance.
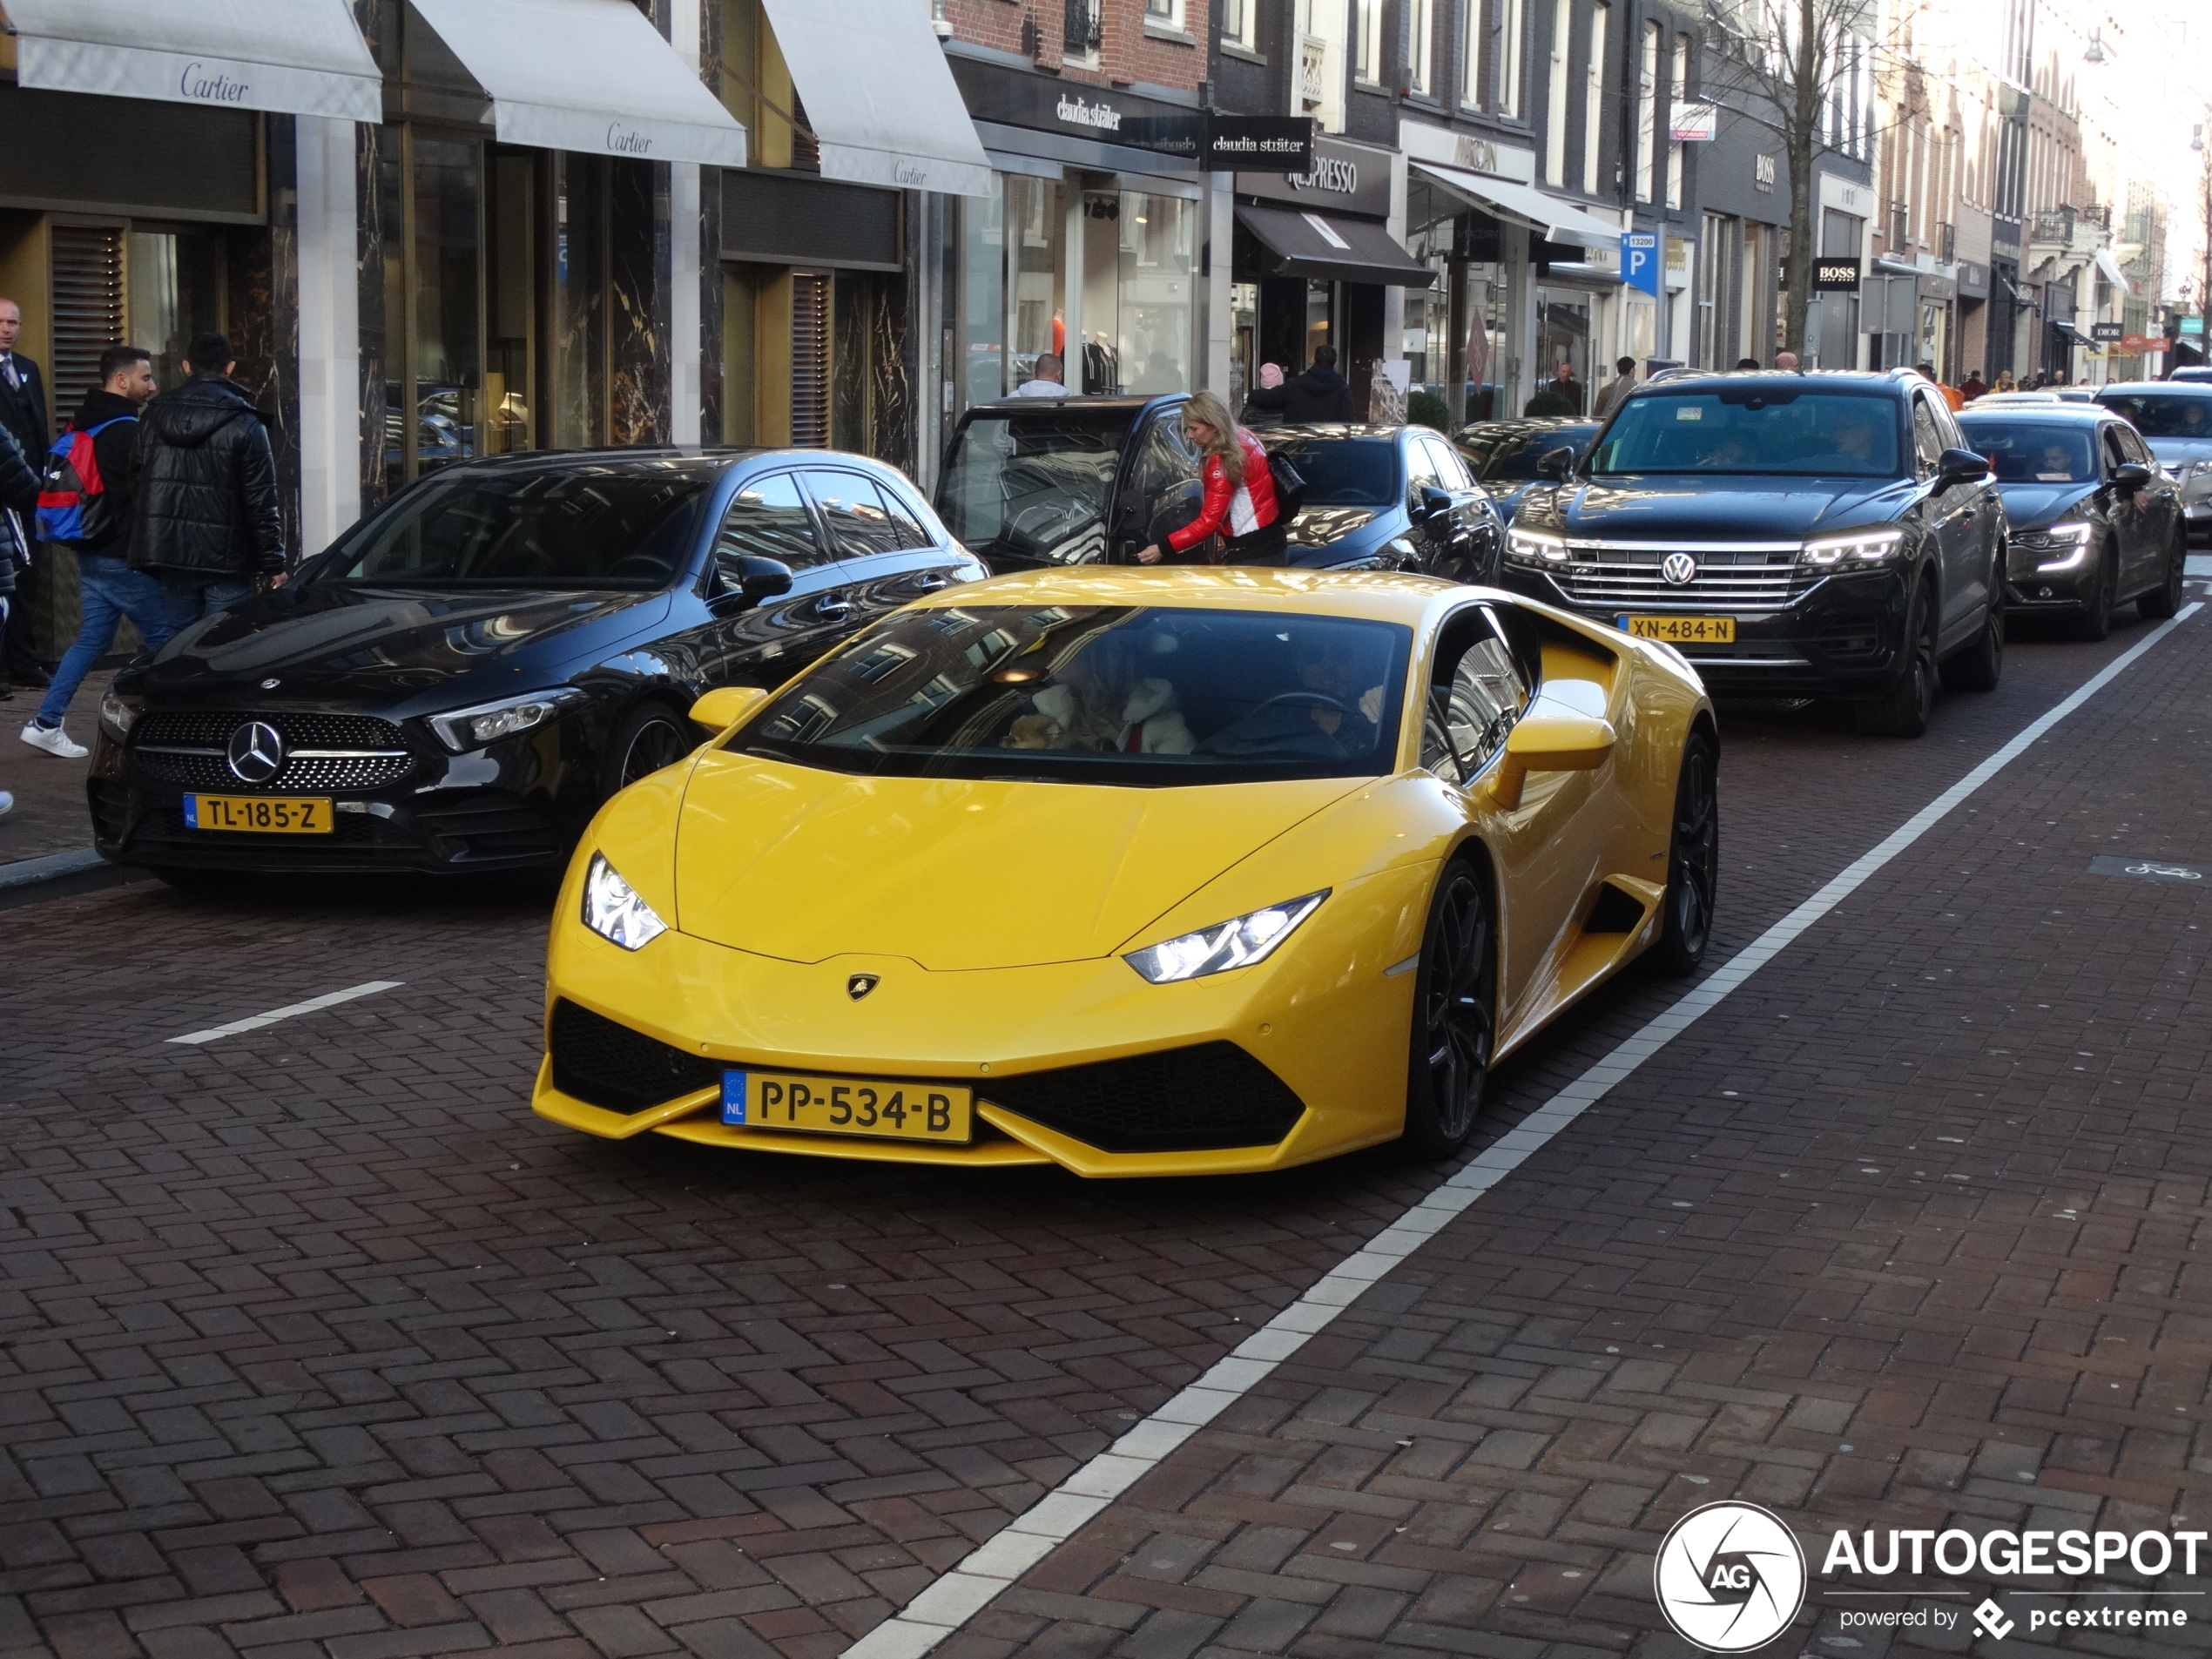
(53, 740)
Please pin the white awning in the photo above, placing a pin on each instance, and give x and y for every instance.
(590, 76)
(2110, 266)
(1560, 221)
(293, 57)
(879, 95)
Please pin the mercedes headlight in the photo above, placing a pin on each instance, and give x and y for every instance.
(2058, 547)
(1239, 943)
(120, 713)
(613, 910)
(1535, 547)
(1850, 552)
(472, 728)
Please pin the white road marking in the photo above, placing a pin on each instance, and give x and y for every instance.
(369, 988)
(994, 1565)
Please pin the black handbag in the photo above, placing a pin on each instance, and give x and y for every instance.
(1290, 488)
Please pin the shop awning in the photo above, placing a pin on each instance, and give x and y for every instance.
(1560, 221)
(2110, 266)
(1335, 250)
(591, 76)
(291, 57)
(2074, 334)
(879, 96)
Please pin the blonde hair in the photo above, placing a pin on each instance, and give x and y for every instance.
(1204, 405)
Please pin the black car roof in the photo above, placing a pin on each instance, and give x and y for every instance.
(698, 461)
(1825, 379)
(1338, 430)
(1083, 401)
(2176, 389)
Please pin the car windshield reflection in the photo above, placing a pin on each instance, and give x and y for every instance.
(1757, 428)
(1035, 484)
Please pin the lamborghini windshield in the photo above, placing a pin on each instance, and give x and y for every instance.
(1146, 695)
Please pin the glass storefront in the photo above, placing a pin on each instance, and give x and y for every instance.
(1563, 336)
(173, 282)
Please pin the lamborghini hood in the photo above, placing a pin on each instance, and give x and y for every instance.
(804, 865)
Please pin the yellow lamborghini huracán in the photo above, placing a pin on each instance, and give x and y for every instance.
(1134, 872)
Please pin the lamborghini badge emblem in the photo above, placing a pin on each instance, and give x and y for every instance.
(860, 984)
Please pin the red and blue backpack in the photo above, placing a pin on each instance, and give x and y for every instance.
(73, 501)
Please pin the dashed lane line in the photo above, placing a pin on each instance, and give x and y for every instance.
(254, 1022)
(994, 1566)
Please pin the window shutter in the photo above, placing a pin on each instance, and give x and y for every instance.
(87, 307)
(810, 361)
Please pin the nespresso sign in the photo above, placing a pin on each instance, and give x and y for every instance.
(1343, 178)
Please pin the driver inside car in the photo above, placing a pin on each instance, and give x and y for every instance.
(1099, 701)
(1335, 712)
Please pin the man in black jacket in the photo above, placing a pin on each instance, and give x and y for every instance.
(206, 521)
(108, 589)
(22, 412)
(1320, 394)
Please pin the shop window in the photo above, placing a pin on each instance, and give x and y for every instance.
(87, 307)
(810, 361)
(1139, 251)
(173, 283)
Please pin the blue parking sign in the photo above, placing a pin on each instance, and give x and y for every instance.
(1640, 260)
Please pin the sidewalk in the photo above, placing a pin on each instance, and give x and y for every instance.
(49, 813)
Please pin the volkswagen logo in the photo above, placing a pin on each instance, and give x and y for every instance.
(1679, 569)
(256, 752)
(860, 984)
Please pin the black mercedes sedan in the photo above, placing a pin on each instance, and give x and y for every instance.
(2094, 522)
(1388, 498)
(460, 679)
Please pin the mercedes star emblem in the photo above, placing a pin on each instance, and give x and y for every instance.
(860, 984)
(1679, 569)
(271, 685)
(256, 752)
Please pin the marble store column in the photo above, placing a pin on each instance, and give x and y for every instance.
(637, 261)
(330, 353)
(372, 243)
(687, 342)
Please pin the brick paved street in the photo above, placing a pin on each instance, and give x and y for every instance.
(314, 1342)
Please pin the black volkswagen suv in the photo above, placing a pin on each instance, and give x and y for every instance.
(1821, 535)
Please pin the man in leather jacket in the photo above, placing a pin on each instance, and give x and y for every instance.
(206, 520)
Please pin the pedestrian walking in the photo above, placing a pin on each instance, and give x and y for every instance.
(206, 522)
(1559, 396)
(1320, 394)
(1973, 385)
(1611, 394)
(1952, 394)
(1786, 362)
(85, 508)
(1240, 490)
(1044, 378)
(22, 412)
(1264, 401)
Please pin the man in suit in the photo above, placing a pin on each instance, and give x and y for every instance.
(22, 411)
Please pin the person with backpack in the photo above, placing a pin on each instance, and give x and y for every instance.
(85, 505)
(1240, 491)
(206, 521)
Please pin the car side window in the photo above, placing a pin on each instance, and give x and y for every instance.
(858, 521)
(1421, 471)
(2131, 442)
(1927, 437)
(2116, 450)
(904, 518)
(768, 520)
(1451, 468)
(1476, 693)
(1163, 460)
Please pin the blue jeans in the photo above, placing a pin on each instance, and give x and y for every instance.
(108, 590)
(192, 597)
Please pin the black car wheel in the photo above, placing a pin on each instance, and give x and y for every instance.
(649, 738)
(1455, 1001)
(2095, 620)
(2165, 599)
(1693, 861)
(1911, 704)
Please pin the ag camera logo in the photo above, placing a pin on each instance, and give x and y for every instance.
(1730, 1577)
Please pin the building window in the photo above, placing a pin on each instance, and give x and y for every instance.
(1237, 22)
(1594, 100)
(1677, 91)
(1421, 39)
(1647, 110)
(1471, 53)
(1513, 30)
(1367, 40)
(1083, 30)
(1556, 96)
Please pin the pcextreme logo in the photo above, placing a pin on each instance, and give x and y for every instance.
(1730, 1577)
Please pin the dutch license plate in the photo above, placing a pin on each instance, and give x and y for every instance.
(278, 815)
(869, 1106)
(1683, 630)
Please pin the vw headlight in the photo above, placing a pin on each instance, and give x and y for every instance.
(1850, 552)
(613, 910)
(2058, 547)
(120, 713)
(489, 722)
(1535, 547)
(1239, 943)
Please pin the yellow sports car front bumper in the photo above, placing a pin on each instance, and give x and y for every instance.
(1327, 1018)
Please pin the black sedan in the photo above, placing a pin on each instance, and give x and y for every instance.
(460, 679)
(1388, 497)
(1509, 456)
(2094, 522)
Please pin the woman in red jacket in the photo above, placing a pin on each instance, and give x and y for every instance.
(1240, 491)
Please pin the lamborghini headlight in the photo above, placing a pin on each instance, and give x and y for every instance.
(1850, 552)
(2057, 547)
(1534, 547)
(1239, 943)
(613, 910)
